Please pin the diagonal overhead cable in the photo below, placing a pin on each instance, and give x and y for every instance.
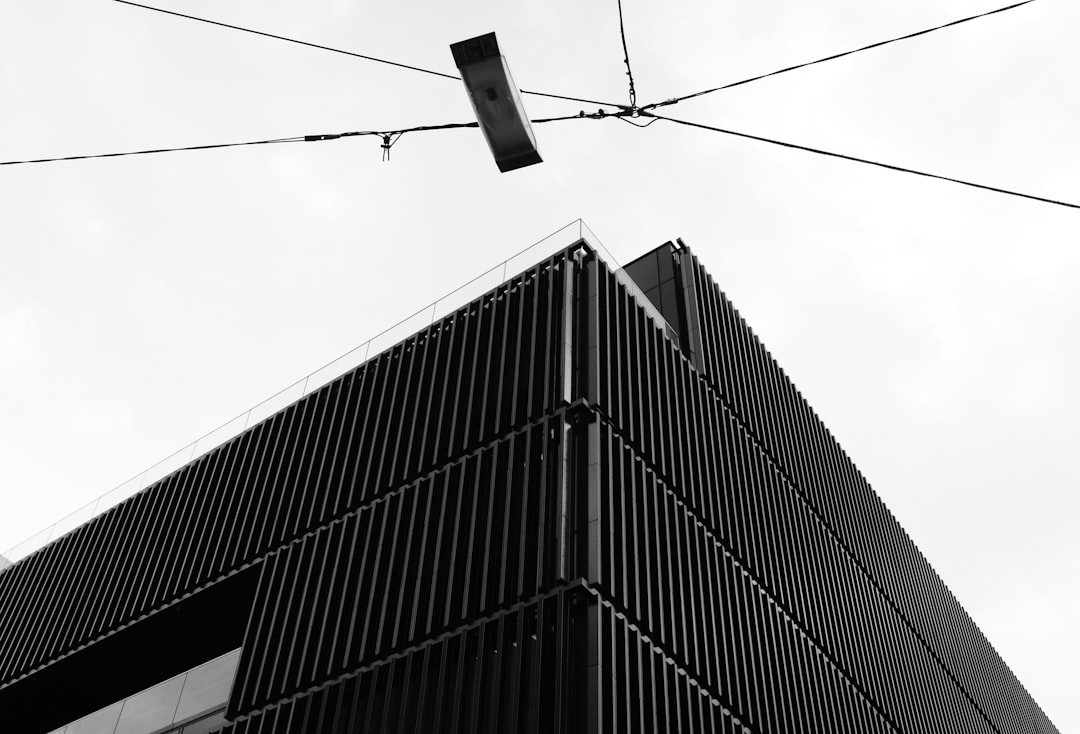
(386, 135)
(154, 150)
(626, 59)
(863, 160)
(675, 100)
(343, 51)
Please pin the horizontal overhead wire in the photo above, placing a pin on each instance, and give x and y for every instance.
(309, 138)
(867, 161)
(676, 100)
(410, 67)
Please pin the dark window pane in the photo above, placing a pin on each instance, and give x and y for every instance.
(669, 304)
(665, 265)
(644, 272)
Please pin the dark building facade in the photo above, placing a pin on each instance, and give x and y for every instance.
(588, 501)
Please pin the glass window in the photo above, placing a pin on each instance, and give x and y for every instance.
(207, 686)
(207, 724)
(151, 709)
(99, 722)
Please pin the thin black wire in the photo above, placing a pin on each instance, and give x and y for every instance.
(569, 99)
(156, 150)
(676, 100)
(626, 59)
(598, 115)
(395, 134)
(343, 51)
(290, 40)
(863, 160)
(636, 124)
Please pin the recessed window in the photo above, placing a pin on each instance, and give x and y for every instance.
(182, 698)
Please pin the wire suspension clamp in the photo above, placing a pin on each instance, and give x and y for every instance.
(388, 140)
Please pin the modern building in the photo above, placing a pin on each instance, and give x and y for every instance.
(587, 501)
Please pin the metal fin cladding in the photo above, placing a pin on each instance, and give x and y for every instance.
(476, 374)
(789, 430)
(474, 537)
(542, 514)
(737, 535)
(510, 672)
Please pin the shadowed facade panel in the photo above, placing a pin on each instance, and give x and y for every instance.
(462, 543)
(516, 671)
(741, 629)
(642, 690)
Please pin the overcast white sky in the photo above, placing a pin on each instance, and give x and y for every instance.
(933, 327)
